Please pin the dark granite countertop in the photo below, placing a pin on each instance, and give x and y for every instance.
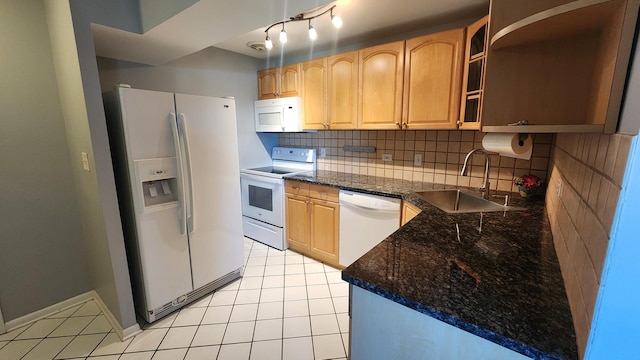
(502, 283)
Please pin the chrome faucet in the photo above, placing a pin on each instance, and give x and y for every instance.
(485, 187)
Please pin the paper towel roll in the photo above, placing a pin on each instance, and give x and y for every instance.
(518, 146)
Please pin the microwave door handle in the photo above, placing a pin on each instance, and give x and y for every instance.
(182, 215)
(182, 124)
(282, 118)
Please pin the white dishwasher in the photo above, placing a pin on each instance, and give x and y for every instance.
(365, 220)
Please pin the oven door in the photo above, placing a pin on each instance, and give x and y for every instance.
(263, 198)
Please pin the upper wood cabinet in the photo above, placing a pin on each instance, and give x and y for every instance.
(473, 77)
(432, 79)
(559, 65)
(381, 71)
(279, 82)
(342, 91)
(313, 75)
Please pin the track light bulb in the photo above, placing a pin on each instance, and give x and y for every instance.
(268, 43)
(313, 34)
(336, 20)
(283, 35)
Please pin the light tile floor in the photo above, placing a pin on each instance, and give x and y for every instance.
(286, 306)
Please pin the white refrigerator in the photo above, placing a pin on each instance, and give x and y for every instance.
(175, 158)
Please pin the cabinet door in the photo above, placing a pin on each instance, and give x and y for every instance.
(314, 89)
(381, 70)
(433, 68)
(325, 219)
(289, 82)
(473, 76)
(342, 90)
(267, 84)
(297, 228)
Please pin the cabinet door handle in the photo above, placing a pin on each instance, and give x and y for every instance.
(404, 124)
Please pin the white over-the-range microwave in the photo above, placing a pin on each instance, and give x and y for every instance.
(279, 115)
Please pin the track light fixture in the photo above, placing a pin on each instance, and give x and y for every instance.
(268, 43)
(283, 35)
(313, 34)
(336, 20)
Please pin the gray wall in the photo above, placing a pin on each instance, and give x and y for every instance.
(211, 72)
(42, 258)
(84, 118)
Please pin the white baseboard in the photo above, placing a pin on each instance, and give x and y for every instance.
(63, 305)
(122, 333)
(37, 315)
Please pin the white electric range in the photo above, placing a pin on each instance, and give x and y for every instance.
(263, 215)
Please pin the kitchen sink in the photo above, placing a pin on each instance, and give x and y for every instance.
(456, 201)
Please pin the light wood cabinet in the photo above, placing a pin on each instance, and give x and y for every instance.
(432, 81)
(279, 82)
(409, 211)
(342, 91)
(313, 75)
(473, 78)
(560, 65)
(313, 220)
(381, 71)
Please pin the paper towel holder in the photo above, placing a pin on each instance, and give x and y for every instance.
(522, 137)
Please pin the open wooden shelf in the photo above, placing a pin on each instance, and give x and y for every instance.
(564, 20)
(562, 68)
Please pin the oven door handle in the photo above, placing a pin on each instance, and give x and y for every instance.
(182, 214)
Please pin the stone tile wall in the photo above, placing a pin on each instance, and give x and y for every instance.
(586, 173)
(443, 154)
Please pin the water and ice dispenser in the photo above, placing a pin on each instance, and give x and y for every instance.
(158, 178)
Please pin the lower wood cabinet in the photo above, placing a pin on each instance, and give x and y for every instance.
(409, 211)
(313, 220)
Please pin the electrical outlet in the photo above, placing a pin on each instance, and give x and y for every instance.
(85, 161)
(559, 188)
(323, 152)
(386, 157)
(417, 160)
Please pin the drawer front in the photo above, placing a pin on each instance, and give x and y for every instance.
(296, 188)
(324, 192)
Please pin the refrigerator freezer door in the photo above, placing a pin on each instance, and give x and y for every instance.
(216, 237)
(146, 115)
(162, 251)
(164, 255)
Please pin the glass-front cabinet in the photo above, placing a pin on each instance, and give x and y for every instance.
(473, 78)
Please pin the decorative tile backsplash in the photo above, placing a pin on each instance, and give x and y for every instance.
(443, 153)
(585, 180)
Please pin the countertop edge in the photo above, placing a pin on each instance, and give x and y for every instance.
(503, 341)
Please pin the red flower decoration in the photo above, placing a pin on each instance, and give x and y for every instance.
(528, 182)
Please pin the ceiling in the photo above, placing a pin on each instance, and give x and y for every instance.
(232, 24)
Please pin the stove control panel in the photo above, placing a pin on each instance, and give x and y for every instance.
(294, 154)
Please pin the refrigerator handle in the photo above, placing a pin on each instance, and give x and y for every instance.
(176, 144)
(182, 124)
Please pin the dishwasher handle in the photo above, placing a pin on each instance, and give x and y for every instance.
(369, 202)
